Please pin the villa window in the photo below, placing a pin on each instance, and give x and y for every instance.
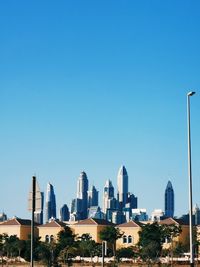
(129, 239)
(124, 239)
(47, 238)
(51, 238)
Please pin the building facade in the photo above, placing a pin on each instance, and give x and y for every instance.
(19, 227)
(130, 235)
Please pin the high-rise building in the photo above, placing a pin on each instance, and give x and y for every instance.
(131, 201)
(50, 203)
(108, 195)
(64, 213)
(110, 203)
(39, 203)
(82, 189)
(93, 196)
(122, 187)
(169, 200)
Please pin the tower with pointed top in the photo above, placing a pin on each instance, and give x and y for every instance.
(82, 189)
(122, 187)
(169, 200)
(50, 203)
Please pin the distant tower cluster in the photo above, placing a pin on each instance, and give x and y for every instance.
(86, 204)
(50, 203)
(169, 200)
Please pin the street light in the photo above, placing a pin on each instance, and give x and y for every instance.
(190, 180)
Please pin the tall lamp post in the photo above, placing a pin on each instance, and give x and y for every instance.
(190, 181)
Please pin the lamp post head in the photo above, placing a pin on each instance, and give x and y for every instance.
(191, 93)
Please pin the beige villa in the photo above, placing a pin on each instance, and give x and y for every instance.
(19, 227)
(130, 235)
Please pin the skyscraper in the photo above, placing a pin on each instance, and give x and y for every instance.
(64, 213)
(169, 200)
(50, 203)
(82, 189)
(93, 196)
(108, 195)
(39, 203)
(122, 187)
(109, 201)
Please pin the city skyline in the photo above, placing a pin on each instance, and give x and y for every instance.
(95, 85)
(77, 209)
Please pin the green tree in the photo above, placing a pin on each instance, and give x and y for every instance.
(27, 251)
(110, 234)
(1, 243)
(44, 253)
(65, 238)
(125, 253)
(86, 245)
(10, 245)
(150, 241)
(66, 254)
(179, 249)
(169, 232)
(66, 245)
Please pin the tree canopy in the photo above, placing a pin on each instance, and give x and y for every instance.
(110, 234)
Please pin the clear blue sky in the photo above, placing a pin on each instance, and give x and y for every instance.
(91, 85)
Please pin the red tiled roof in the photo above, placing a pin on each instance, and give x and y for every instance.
(53, 224)
(170, 221)
(128, 224)
(17, 221)
(93, 221)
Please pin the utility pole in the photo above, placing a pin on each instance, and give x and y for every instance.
(104, 251)
(190, 181)
(32, 221)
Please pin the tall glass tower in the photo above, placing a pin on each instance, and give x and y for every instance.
(50, 203)
(122, 186)
(82, 189)
(93, 196)
(64, 213)
(169, 200)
